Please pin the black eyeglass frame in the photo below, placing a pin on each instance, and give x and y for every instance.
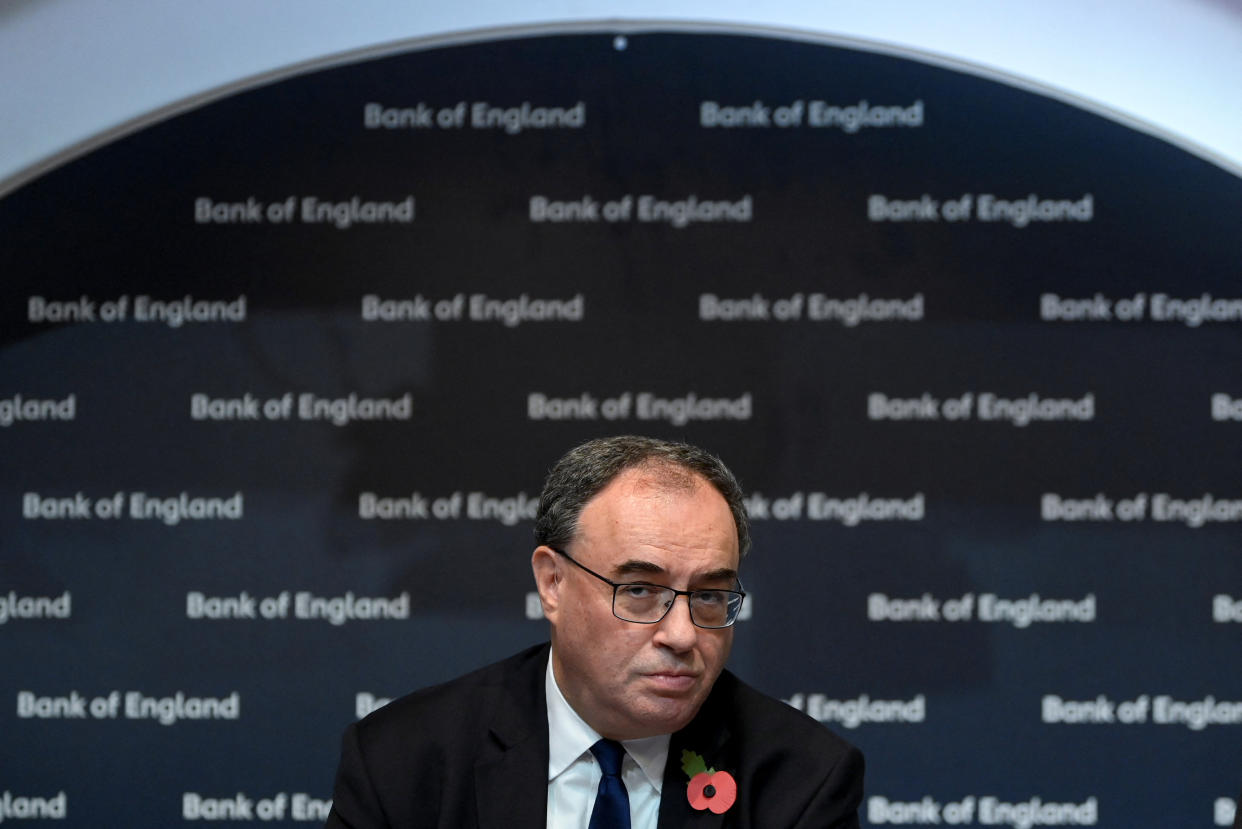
(689, 594)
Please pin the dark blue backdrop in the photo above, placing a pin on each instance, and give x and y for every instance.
(848, 205)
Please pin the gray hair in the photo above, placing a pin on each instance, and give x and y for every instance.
(586, 469)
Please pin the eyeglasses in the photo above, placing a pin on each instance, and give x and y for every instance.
(647, 604)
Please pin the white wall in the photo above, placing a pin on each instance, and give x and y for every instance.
(72, 69)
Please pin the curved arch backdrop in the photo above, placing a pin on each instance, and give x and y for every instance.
(281, 376)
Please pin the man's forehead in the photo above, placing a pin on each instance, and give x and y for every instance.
(656, 479)
(652, 517)
(647, 551)
(657, 485)
(639, 566)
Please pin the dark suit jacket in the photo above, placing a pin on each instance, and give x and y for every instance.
(473, 754)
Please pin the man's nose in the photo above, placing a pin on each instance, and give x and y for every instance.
(677, 630)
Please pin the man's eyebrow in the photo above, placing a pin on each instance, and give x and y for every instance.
(635, 565)
(723, 574)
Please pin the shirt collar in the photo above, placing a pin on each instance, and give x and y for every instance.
(569, 737)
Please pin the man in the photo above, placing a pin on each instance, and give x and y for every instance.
(628, 719)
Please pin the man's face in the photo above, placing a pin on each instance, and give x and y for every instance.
(631, 680)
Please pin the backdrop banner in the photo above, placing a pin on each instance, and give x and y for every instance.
(281, 374)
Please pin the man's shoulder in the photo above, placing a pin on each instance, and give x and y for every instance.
(414, 761)
(790, 769)
(758, 719)
(460, 702)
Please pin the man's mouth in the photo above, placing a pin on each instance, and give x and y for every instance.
(673, 681)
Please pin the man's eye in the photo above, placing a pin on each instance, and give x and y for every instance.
(711, 598)
(638, 591)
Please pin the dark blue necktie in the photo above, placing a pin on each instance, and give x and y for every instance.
(612, 804)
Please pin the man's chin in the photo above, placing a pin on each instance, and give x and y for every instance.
(665, 713)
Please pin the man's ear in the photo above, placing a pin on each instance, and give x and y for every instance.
(546, 567)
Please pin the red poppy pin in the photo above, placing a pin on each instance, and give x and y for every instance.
(708, 789)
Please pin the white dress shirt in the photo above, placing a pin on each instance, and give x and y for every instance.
(573, 773)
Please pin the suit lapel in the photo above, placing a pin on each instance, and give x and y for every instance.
(511, 776)
(513, 789)
(707, 735)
